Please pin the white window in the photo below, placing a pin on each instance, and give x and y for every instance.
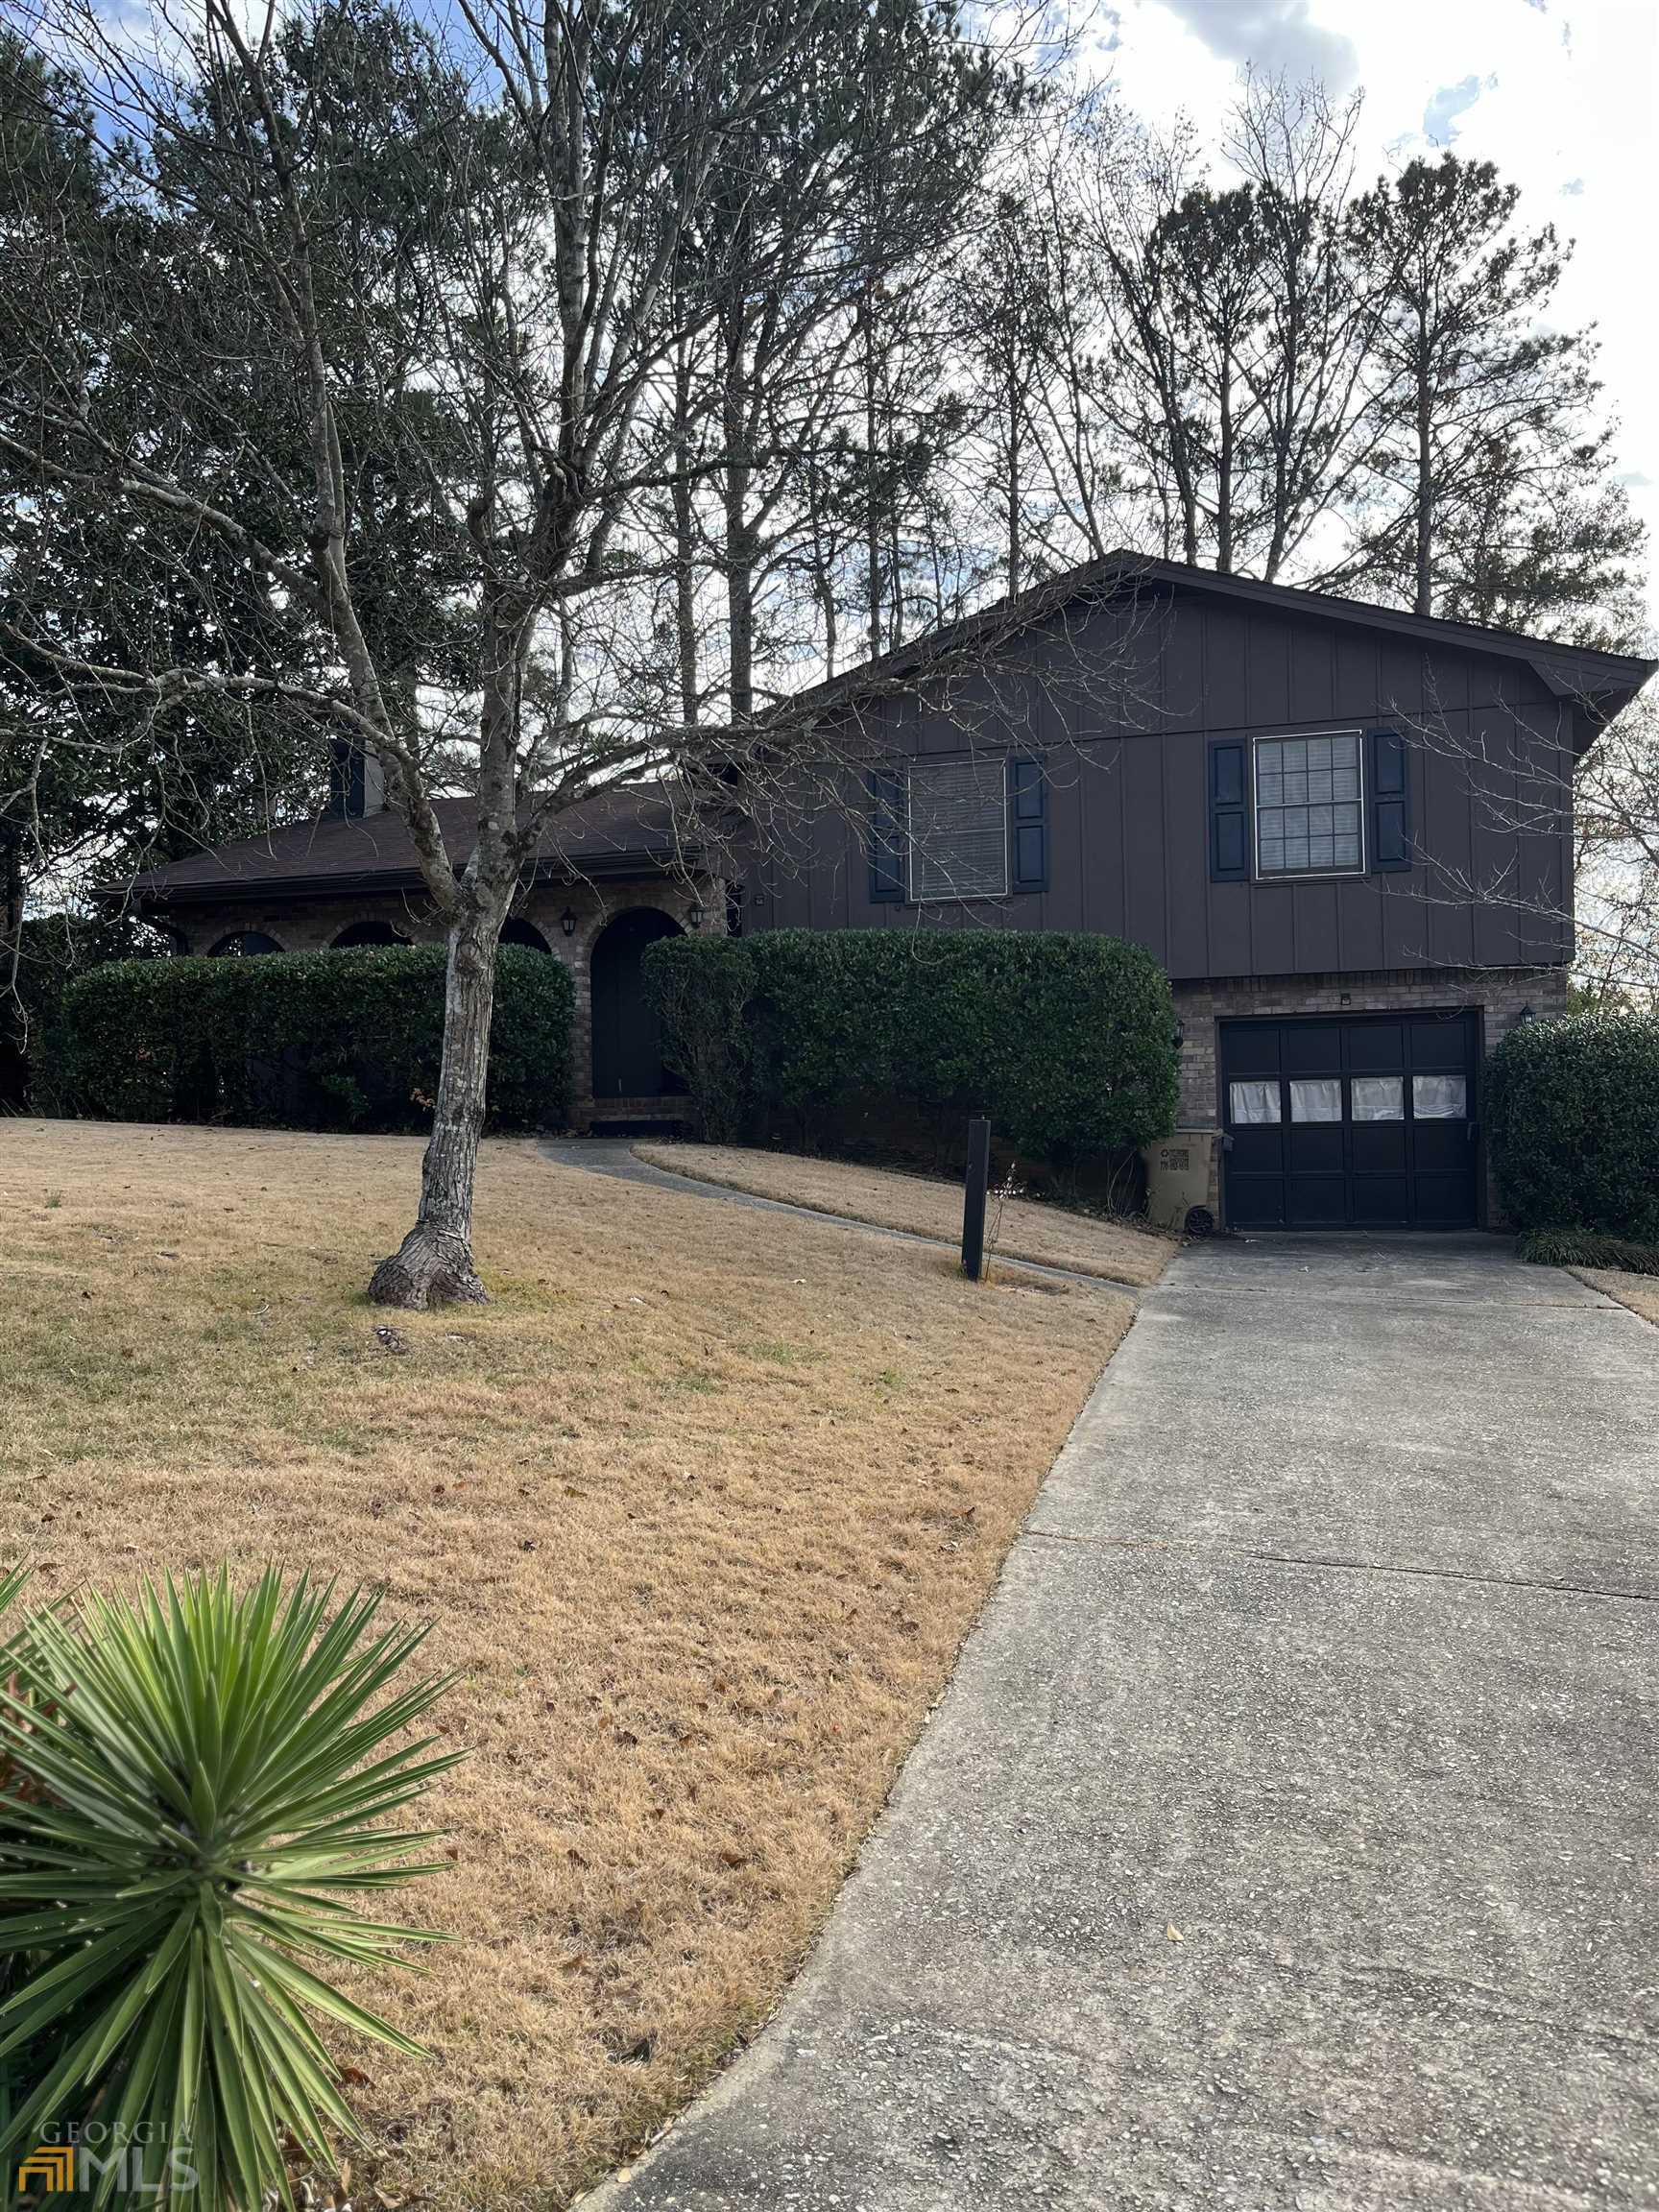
(1438, 1098)
(958, 828)
(1316, 1098)
(1310, 797)
(1379, 1097)
(1251, 1103)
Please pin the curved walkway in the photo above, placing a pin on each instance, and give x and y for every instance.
(1285, 1837)
(616, 1156)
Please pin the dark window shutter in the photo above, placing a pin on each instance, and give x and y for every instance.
(1390, 799)
(1028, 824)
(1229, 811)
(887, 788)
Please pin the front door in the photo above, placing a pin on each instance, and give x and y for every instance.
(627, 1042)
(1365, 1123)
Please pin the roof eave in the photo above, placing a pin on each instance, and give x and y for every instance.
(238, 890)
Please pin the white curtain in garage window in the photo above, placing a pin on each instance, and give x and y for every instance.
(1379, 1097)
(1438, 1097)
(1316, 1098)
(1253, 1102)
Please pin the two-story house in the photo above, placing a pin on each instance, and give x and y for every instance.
(1343, 830)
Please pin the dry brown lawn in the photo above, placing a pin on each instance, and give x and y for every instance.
(702, 1506)
(1640, 1292)
(926, 1206)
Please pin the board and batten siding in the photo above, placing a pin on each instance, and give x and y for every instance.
(1128, 813)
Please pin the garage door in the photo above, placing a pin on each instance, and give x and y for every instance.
(1364, 1124)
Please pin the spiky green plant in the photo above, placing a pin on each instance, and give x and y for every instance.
(192, 1785)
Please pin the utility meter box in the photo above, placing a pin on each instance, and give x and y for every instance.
(1183, 1186)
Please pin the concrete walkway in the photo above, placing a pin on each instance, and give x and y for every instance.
(1288, 1836)
(616, 1156)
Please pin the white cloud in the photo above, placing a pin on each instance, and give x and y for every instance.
(1278, 36)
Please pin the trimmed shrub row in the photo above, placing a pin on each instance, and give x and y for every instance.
(1066, 1041)
(54, 949)
(305, 1039)
(1573, 1110)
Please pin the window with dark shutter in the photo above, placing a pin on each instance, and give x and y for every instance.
(1028, 824)
(1390, 799)
(886, 846)
(1229, 811)
(957, 829)
(1307, 805)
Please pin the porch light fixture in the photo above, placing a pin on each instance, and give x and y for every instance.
(694, 914)
(568, 923)
(1527, 1013)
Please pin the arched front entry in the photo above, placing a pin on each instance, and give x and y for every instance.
(627, 1043)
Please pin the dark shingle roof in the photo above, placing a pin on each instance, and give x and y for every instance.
(625, 828)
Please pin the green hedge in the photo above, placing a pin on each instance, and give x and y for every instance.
(54, 949)
(1068, 1041)
(1572, 1112)
(306, 1040)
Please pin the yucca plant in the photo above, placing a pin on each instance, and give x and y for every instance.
(191, 1785)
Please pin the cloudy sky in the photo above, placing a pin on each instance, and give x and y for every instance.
(1563, 95)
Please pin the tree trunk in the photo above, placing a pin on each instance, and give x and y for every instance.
(433, 1265)
(1425, 599)
(739, 537)
(684, 542)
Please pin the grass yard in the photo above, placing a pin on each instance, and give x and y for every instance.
(701, 1508)
(926, 1205)
(1640, 1292)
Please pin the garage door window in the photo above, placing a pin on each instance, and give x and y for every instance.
(1379, 1098)
(1438, 1097)
(1316, 1098)
(1254, 1102)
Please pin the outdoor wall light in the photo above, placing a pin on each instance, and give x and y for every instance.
(568, 923)
(1527, 1013)
(694, 914)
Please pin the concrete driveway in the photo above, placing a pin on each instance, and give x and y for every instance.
(1286, 1838)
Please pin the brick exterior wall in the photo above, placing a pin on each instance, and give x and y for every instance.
(312, 925)
(1497, 995)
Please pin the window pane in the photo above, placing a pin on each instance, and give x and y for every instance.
(1316, 1098)
(958, 828)
(1308, 799)
(1438, 1097)
(1379, 1097)
(1251, 1102)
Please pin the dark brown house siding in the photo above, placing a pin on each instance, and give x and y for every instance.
(1490, 750)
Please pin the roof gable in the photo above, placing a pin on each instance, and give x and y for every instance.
(1602, 683)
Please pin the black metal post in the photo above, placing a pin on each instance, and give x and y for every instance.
(974, 1199)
